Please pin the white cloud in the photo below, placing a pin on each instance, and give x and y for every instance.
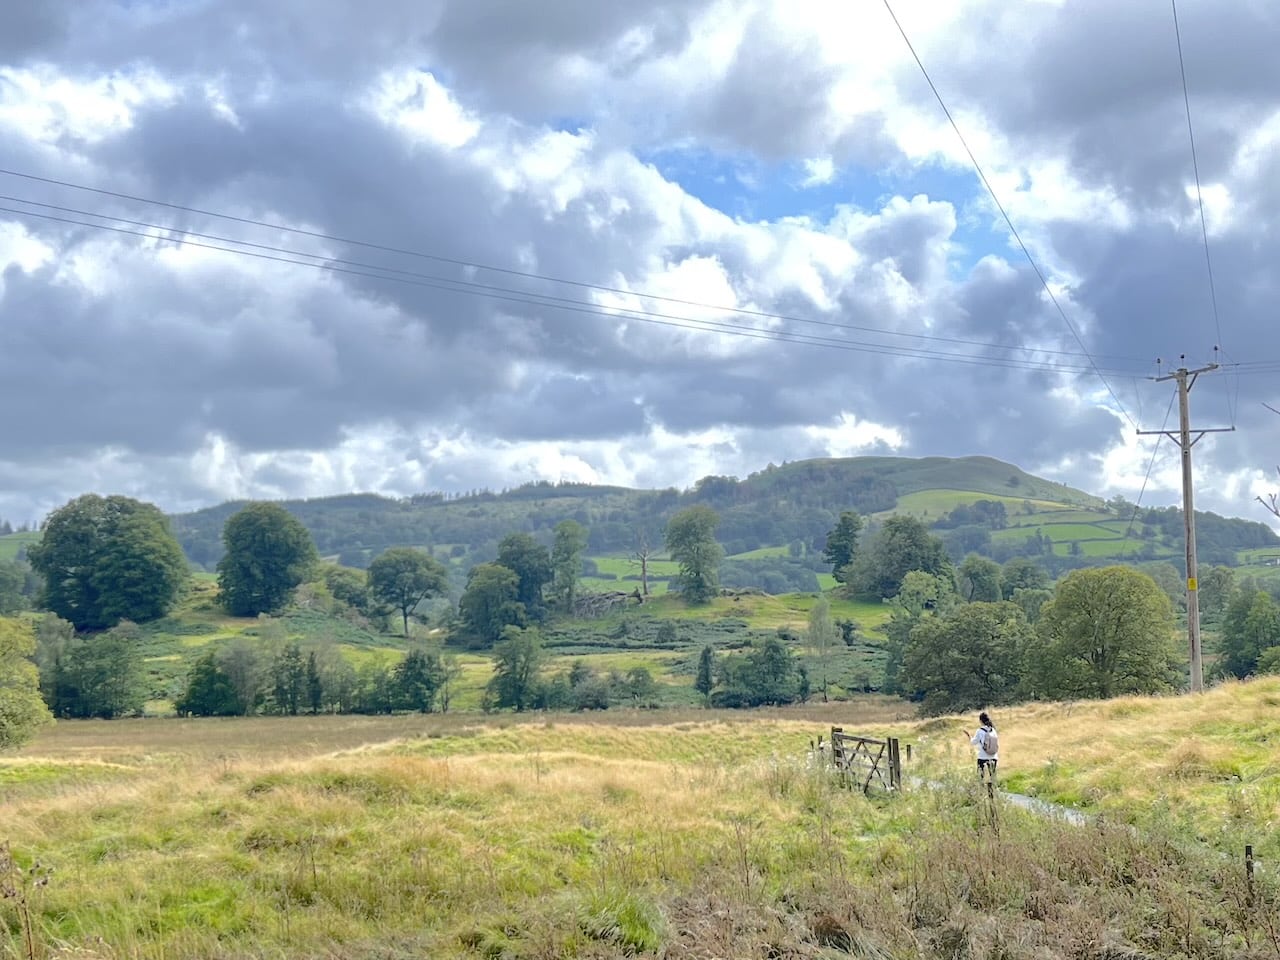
(416, 103)
(818, 171)
(43, 103)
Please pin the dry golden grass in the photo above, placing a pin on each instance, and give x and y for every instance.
(1213, 757)
(682, 834)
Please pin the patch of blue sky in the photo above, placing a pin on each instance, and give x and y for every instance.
(749, 189)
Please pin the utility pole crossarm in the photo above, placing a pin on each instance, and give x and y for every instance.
(1177, 437)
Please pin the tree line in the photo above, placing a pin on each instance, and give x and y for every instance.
(977, 633)
(960, 634)
(105, 565)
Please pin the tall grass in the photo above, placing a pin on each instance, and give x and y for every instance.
(1207, 763)
(700, 835)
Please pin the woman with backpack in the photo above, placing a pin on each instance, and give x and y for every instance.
(987, 741)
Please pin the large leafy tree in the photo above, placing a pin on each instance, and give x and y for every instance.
(348, 586)
(842, 543)
(490, 603)
(100, 676)
(22, 711)
(922, 595)
(1022, 573)
(107, 559)
(210, 692)
(767, 673)
(417, 681)
(517, 667)
(978, 579)
(1217, 584)
(13, 581)
(1107, 632)
(531, 563)
(1251, 627)
(288, 678)
(403, 577)
(566, 562)
(691, 542)
(269, 552)
(903, 544)
(969, 658)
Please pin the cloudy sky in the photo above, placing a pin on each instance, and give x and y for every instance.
(448, 244)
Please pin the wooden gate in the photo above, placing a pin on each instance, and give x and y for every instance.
(863, 761)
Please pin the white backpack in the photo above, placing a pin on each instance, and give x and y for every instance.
(991, 742)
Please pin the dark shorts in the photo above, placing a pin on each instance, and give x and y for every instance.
(983, 764)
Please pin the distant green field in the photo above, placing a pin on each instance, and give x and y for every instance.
(1120, 549)
(764, 612)
(1059, 532)
(625, 566)
(11, 543)
(762, 553)
(1063, 516)
(602, 585)
(934, 503)
(1261, 556)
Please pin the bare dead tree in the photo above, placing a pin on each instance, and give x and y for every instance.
(1272, 500)
(642, 555)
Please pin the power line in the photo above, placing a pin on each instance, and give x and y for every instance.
(1150, 464)
(1195, 167)
(1004, 213)
(373, 271)
(474, 265)
(530, 298)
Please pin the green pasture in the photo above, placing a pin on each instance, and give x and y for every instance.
(600, 585)
(1062, 516)
(1114, 547)
(625, 567)
(932, 504)
(1259, 556)
(1059, 532)
(761, 553)
(11, 543)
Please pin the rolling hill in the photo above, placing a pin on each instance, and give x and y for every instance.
(781, 513)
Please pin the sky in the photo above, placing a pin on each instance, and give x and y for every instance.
(309, 247)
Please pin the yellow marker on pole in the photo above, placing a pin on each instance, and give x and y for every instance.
(1191, 583)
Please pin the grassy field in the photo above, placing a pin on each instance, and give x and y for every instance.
(1098, 533)
(1263, 556)
(1207, 762)
(932, 504)
(681, 835)
(1059, 532)
(11, 543)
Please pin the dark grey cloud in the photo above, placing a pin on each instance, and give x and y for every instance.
(1098, 83)
(282, 358)
(31, 27)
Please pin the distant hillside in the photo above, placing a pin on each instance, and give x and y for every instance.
(789, 507)
(778, 505)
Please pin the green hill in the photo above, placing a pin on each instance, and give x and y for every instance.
(773, 523)
(776, 506)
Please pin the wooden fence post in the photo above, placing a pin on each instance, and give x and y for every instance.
(1248, 872)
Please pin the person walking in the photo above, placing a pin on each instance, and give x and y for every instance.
(987, 741)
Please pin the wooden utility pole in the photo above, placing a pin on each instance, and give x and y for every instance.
(1186, 379)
